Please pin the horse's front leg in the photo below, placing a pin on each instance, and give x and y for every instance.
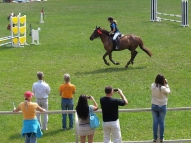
(110, 58)
(105, 61)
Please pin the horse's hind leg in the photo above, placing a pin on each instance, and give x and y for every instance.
(133, 55)
(105, 61)
(110, 58)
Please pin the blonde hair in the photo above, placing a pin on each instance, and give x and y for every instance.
(66, 77)
(115, 21)
(26, 103)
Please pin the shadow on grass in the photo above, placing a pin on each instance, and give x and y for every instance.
(45, 133)
(111, 69)
(5, 48)
(169, 23)
(15, 136)
(51, 133)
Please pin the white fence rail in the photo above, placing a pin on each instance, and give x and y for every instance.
(120, 110)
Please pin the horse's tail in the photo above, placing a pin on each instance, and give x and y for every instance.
(141, 45)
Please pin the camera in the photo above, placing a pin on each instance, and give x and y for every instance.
(115, 89)
(88, 97)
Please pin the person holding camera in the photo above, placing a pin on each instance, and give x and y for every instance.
(110, 114)
(82, 110)
(160, 89)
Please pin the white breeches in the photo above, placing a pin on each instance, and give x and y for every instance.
(115, 35)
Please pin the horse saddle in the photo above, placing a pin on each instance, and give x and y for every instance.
(118, 38)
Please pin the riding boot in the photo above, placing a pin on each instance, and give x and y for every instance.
(116, 44)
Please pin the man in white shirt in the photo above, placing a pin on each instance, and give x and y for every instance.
(41, 91)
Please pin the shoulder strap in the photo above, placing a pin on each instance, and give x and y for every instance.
(90, 110)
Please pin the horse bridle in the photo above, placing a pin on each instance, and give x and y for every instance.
(99, 32)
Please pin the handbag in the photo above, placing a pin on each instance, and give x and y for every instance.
(94, 120)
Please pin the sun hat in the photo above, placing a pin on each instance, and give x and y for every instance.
(28, 94)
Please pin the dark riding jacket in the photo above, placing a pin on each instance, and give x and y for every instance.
(114, 26)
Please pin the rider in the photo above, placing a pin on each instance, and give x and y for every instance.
(114, 30)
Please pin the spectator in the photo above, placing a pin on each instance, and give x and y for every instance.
(159, 91)
(82, 110)
(67, 90)
(31, 127)
(41, 90)
(110, 113)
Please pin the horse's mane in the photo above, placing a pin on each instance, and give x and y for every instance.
(105, 31)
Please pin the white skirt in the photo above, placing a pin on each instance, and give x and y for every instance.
(84, 130)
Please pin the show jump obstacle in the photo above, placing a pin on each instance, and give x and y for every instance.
(42, 16)
(35, 36)
(18, 32)
(183, 16)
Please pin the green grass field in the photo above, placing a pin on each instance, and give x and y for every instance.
(66, 48)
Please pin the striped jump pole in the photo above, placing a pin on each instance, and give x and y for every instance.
(5, 43)
(183, 16)
(7, 38)
(172, 20)
(169, 14)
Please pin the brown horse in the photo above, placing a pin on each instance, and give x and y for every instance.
(130, 42)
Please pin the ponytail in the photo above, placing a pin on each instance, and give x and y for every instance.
(115, 21)
(26, 103)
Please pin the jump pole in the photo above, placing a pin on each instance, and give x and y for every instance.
(42, 16)
(153, 10)
(7, 38)
(184, 13)
(183, 16)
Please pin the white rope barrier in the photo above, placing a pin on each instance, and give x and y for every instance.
(99, 111)
(47, 112)
(166, 141)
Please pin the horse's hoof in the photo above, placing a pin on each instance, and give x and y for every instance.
(116, 63)
(107, 63)
(126, 66)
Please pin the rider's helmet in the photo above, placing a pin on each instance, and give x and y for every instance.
(110, 18)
